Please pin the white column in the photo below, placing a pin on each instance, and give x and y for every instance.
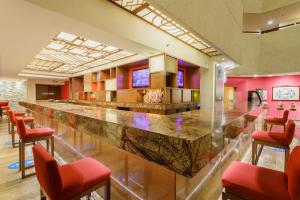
(207, 86)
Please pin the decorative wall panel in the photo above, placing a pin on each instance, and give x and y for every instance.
(13, 91)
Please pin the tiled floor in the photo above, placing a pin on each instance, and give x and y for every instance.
(13, 187)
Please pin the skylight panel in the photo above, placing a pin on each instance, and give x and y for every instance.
(110, 48)
(66, 36)
(91, 43)
(56, 46)
(78, 50)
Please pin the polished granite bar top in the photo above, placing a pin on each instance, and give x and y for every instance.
(183, 142)
(154, 106)
(190, 125)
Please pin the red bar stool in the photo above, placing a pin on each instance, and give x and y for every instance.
(17, 114)
(13, 119)
(70, 181)
(277, 121)
(244, 181)
(272, 139)
(33, 135)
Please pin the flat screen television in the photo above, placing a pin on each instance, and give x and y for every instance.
(180, 78)
(140, 78)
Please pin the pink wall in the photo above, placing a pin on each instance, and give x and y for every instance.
(243, 85)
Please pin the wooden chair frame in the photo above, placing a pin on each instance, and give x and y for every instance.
(22, 144)
(87, 193)
(226, 195)
(256, 154)
(273, 123)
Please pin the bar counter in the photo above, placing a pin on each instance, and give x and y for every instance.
(185, 144)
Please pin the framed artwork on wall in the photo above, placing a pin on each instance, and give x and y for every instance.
(285, 93)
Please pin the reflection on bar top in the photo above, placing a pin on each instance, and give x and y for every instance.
(190, 125)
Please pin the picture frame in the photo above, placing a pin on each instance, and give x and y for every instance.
(286, 93)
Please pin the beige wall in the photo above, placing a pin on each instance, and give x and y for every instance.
(274, 4)
(258, 6)
(272, 53)
(219, 22)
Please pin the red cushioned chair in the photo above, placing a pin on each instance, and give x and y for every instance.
(272, 139)
(70, 181)
(249, 182)
(28, 136)
(277, 121)
(13, 119)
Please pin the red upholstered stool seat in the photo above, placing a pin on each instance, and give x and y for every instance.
(26, 119)
(277, 138)
(76, 174)
(5, 108)
(38, 132)
(255, 183)
(20, 114)
(72, 180)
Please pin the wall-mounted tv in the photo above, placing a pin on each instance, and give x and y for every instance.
(140, 78)
(180, 78)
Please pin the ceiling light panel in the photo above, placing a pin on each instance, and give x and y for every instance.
(68, 53)
(155, 17)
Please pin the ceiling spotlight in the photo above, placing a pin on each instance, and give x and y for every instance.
(270, 22)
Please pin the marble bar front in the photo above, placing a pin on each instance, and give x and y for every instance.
(179, 150)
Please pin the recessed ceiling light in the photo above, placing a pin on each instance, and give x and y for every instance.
(66, 36)
(270, 22)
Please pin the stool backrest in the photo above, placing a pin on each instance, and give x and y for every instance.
(285, 115)
(47, 172)
(21, 129)
(11, 116)
(293, 174)
(289, 132)
(3, 103)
